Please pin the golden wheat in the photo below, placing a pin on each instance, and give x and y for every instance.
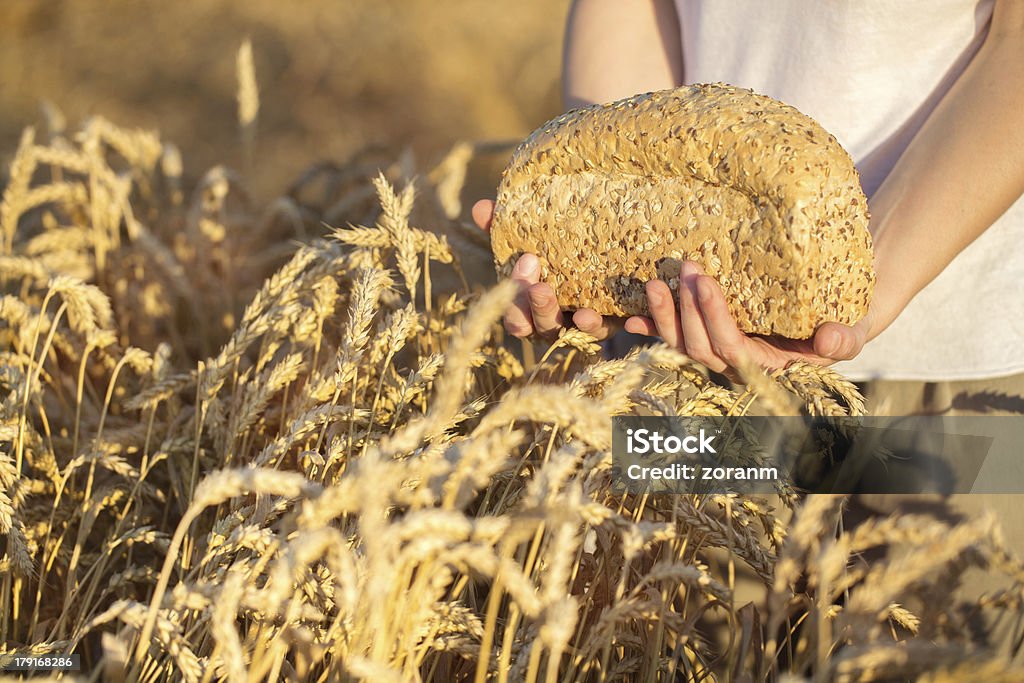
(353, 477)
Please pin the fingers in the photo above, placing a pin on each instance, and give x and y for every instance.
(664, 314)
(547, 315)
(519, 317)
(706, 330)
(483, 213)
(702, 325)
(727, 341)
(638, 324)
(594, 324)
(839, 342)
(697, 340)
(535, 308)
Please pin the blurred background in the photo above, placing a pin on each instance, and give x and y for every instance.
(335, 76)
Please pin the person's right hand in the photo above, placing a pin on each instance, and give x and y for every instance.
(536, 309)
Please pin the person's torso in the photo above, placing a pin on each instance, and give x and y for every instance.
(871, 71)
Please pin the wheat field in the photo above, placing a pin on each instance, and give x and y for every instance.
(237, 445)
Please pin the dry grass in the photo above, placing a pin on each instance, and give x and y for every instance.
(336, 470)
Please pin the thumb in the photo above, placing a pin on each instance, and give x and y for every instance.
(839, 342)
(483, 213)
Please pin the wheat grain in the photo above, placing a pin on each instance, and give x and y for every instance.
(248, 92)
(394, 496)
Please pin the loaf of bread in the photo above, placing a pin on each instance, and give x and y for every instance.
(767, 201)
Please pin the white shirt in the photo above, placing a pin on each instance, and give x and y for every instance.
(870, 72)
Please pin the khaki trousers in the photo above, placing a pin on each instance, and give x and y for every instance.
(898, 398)
(999, 396)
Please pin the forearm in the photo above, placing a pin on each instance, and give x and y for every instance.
(617, 48)
(962, 170)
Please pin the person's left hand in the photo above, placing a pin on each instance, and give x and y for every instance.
(704, 329)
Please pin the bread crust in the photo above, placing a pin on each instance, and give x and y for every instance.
(764, 198)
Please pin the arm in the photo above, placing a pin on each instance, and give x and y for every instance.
(617, 48)
(961, 171)
(613, 49)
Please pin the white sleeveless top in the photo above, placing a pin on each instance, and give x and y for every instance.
(870, 71)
